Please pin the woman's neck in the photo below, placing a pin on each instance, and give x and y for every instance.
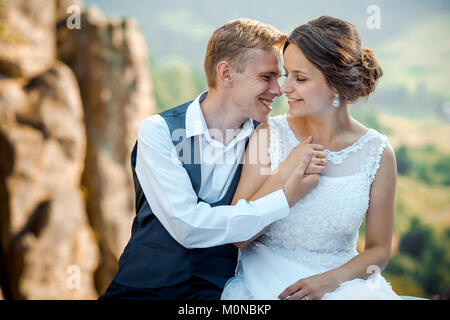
(331, 131)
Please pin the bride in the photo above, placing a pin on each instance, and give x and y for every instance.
(311, 254)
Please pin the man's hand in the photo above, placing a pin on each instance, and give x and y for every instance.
(243, 244)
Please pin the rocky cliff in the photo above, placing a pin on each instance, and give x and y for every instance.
(71, 100)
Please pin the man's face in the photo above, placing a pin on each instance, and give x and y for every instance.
(255, 89)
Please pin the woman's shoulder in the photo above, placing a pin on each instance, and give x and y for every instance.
(368, 133)
(383, 154)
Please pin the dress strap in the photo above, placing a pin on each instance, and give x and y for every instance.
(373, 160)
(275, 149)
(337, 157)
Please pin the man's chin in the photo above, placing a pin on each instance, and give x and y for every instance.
(262, 118)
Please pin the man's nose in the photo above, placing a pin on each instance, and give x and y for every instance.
(275, 89)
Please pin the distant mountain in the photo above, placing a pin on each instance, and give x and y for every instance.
(182, 28)
(412, 45)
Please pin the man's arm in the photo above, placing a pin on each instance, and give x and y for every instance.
(170, 194)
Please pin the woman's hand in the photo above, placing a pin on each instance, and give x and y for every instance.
(299, 183)
(311, 288)
(315, 166)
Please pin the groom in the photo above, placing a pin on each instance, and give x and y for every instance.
(180, 246)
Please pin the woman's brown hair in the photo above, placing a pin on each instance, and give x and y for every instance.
(334, 47)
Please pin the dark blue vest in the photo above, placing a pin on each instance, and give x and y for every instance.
(152, 258)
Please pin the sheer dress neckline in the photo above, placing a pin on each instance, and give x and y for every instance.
(335, 156)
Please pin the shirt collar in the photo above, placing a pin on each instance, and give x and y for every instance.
(196, 124)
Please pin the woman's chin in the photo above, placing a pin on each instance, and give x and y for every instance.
(297, 112)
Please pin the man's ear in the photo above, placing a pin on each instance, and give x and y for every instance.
(224, 74)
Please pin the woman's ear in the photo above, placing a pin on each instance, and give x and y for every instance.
(224, 74)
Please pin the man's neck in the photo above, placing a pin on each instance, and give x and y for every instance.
(222, 116)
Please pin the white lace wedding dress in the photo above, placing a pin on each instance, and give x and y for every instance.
(321, 230)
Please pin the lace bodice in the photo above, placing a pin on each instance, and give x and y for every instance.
(322, 228)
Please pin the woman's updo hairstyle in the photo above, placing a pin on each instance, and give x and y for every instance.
(334, 47)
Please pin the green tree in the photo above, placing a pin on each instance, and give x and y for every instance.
(404, 162)
(175, 83)
(442, 169)
(423, 258)
(416, 240)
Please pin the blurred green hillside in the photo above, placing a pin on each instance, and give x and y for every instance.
(419, 56)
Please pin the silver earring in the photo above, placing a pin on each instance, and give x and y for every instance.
(336, 100)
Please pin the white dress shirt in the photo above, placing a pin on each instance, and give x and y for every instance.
(170, 194)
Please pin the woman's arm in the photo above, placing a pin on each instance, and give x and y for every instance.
(377, 251)
(256, 167)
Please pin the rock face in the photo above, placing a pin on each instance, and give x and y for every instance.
(110, 61)
(66, 133)
(65, 8)
(44, 225)
(27, 37)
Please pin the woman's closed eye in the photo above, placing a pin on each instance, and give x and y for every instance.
(297, 79)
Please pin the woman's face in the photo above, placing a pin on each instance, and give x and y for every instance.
(305, 85)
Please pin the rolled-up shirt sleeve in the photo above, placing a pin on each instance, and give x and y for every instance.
(169, 192)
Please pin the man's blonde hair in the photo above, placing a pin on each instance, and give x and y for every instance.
(232, 41)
